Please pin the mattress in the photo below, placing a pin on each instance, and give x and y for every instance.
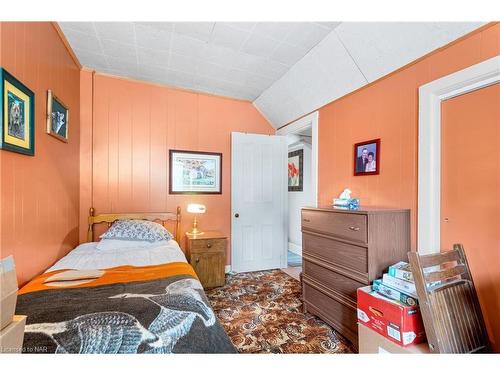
(87, 257)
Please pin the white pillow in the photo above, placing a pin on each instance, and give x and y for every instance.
(106, 244)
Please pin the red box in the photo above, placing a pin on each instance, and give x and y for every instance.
(397, 322)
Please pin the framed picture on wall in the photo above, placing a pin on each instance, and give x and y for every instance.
(17, 112)
(57, 117)
(367, 157)
(195, 172)
(296, 170)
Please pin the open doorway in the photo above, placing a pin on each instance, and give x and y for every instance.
(301, 137)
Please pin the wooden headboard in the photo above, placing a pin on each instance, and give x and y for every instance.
(150, 216)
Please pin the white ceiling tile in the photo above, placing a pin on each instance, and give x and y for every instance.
(116, 49)
(146, 56)
(272, 69)
(120, 64)
(152, 71)
(307, 34)
(152, 38)
(330, 25)
(287, 54)
(162, 26)
(247, 26)
(187, 46)
(82, 27)
(120, 31)
(260, 45)
(82, 41)
(275, 30)
(182, 63)
(228, 36)
(198, 30)
(91, 60)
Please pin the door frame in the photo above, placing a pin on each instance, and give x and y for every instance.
(310, 120)
(431, 95)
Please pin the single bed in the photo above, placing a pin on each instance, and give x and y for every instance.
(121, 300)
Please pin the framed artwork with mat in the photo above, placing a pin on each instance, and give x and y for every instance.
(17, 113)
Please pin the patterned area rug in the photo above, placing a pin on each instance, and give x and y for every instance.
(262, 313)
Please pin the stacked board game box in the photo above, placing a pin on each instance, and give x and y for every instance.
(397, 284)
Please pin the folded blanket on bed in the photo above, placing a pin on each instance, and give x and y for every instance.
(153, 309)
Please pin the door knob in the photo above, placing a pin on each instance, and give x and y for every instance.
(236, 215)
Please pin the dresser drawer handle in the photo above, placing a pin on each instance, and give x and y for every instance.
(307, 220)
(209, 245)
(356, 229)
(197, 260)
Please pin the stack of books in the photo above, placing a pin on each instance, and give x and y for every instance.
(397, 284)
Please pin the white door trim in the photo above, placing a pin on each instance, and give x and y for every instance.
(310, 120)
(431, 95)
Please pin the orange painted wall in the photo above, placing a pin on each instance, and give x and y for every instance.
(39, 195)
(470, 192)
(136, 123)
(388, 109)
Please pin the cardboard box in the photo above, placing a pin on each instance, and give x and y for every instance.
(370, 342)
(397, 322)
(8, 291)
(12, 336)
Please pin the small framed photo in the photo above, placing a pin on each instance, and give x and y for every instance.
(17, 112)
(195, 172)
(367, 157)
(296, 170)
(57, 117)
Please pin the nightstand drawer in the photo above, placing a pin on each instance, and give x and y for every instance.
(212, 245)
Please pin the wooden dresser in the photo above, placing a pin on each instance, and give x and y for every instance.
(207, 254)
(343, 250)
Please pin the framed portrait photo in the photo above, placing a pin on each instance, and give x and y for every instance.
(296, 170)
(195, 172)
(57, 117)
(367, 157)
(18, 115)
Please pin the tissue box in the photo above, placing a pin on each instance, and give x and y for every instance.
(8, 291)
(12, 336)
(397, 322)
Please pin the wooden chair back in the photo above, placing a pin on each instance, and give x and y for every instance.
(448, 302)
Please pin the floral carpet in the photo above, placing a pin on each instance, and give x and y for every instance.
(262, 313)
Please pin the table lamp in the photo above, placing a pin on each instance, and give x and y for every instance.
(195, 209)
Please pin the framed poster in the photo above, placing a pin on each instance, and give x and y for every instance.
(18, 115)
(57, 117)
(296, 170)
(195, 172)
(367, 158)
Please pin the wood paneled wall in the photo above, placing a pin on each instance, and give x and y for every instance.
(39, 194)
(134, 126)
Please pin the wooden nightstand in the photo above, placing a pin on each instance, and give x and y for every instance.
(207, 254)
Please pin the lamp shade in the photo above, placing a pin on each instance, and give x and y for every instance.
(196, 208)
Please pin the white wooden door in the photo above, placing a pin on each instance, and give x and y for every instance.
(259, 202)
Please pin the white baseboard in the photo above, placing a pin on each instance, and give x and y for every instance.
(227, 268)
(294, 248)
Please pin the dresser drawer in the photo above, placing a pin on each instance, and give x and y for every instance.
(336, 252)
(332, 280)
(349, 226)
(217, 244)
(342, 317)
